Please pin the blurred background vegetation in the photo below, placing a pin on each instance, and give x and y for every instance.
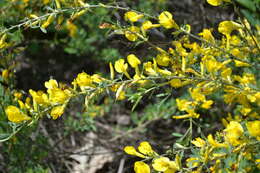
(53, 146)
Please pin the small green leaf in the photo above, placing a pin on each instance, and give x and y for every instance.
(177, 134)
(248, 4)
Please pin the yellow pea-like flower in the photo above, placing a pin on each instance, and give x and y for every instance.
(120, 93)
(15, 115)
(149, 25)
(112, 71)
(149, 69)
(132, 16)
(48, 21)
(121, 66)
(226, 27)
(84, 80)
(146, 149)
(241, 64)
(72, 28)
(233, 132)
(46, 1)
(192, 162)
(3, 44)
(164, 164)
(132, 33)
(57, 111)
(254, 128)
(197, 95)
(58, 95)
(141, 167)
(207, 104)
(51, 84)
(133, 60)
(18, 95)
(214, 143)
(57, 2)
(5, 74)
(176, 83)
(39, 97)
(166, 20)
(217, 2)
(132, 151)
(207, 35)
(163, 59)
(198, 142)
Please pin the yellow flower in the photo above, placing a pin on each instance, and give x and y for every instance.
(212, 65)
(18, 95)
(165, 19)
(46, 1)
(197, 95)
(176, 83)
(15, 115)
(198, 142)
(132, 16)
(207, 35)
(132, 33)
(241, 64)
(39, 97)
(58, 95)
(49, 20)
(139, 79)
(146, 149)
(192, 162)
(149, 69)
(72, 28)
(96, 78)
(133, 60)
(183, 104)
(179, 48)
(254, 128)
(207, 104)
(164, 164)
(215, 143)
(141, 167)
(149, 25)
(84, 80)
(5, 74)
(120, 93)
(226, 27)
(217, 2)
(112, 71)
(57, 111)
(51, 84)
(163, 59)
(132, 151)
(233, 132)
(121, 66)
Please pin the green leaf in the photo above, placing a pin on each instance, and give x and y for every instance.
(70, 50)
(177, 134)
(248, 4)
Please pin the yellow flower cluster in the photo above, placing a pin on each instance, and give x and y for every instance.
(133, 32)
(207, 67)
(159, 163)
(235, 140)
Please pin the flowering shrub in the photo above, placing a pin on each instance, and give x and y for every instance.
(207, 67)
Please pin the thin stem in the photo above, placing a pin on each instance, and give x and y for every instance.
(59, 11)
(213, 45)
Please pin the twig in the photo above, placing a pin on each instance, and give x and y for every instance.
(121, 165)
